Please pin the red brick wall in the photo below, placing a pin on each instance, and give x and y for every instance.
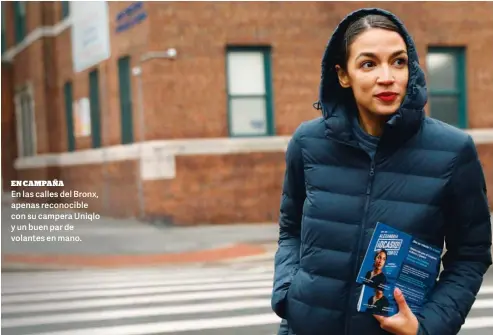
(186, 97)
(114, 183)
(219, 189)
(9, 130)
(208, 189)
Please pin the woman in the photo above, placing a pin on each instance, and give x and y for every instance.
(375, 156)
(377, 303)
(376, 278)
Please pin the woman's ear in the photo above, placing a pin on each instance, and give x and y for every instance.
(343, 77)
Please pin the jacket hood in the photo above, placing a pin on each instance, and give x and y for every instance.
(332, 97)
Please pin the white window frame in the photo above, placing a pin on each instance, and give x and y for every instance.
(265, 94)
(20, 114)
(460, 89)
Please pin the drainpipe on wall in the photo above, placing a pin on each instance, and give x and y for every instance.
(137, 71)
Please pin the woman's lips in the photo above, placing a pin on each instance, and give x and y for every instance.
(387, 96)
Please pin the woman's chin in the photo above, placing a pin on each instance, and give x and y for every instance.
(385, 110)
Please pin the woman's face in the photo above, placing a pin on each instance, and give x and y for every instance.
(380, 261)
(377, 71)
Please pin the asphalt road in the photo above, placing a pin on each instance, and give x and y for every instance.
(232, 299)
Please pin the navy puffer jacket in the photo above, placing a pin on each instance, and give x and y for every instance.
(425, 179)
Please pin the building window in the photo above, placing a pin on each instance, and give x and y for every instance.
(26, 123)
(249, 88)
(20, 20)
(447, 85)
(69, 116)
(125, 100)
(65, 9)
(95, 110)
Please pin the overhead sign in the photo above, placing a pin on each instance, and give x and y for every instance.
(130, 16)
(90, 33)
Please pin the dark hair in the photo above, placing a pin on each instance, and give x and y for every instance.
(359, 26)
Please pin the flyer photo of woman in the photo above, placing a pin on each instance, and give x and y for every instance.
(378, 303)
(376, 278)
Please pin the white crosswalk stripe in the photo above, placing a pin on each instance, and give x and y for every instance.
(149, 301)
(231, 298)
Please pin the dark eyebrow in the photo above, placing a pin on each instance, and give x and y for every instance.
(372, 55)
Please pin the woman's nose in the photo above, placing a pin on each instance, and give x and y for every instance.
(385, 76)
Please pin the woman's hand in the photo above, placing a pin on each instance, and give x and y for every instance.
(402, 323)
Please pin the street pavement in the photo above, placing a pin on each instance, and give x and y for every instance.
(127, 277)
(224, 298)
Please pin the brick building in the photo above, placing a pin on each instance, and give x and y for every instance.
(182, 111)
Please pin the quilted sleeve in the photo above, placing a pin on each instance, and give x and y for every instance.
(468, 245)
(286, 261)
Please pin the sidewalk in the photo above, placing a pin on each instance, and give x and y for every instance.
(111, 243)
(107, 243)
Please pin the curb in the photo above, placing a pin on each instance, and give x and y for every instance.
(66, 262)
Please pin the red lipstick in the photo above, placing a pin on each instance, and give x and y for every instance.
(387, 96)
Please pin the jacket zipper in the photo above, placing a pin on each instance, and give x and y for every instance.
(371, 175)
(360, 240)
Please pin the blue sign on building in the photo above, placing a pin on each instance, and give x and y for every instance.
(130, 16)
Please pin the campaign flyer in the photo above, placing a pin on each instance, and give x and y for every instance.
(396, 259)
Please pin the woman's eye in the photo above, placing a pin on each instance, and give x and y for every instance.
(369, 64)
(401, 61)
